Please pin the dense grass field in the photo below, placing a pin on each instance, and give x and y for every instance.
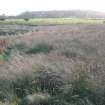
(54, 65)
(51, 21)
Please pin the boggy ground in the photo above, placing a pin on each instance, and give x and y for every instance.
(54, 65)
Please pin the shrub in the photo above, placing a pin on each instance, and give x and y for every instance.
(26, 19)
(2, 19)
(40, 48)
(23, 48)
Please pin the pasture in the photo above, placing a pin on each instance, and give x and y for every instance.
(51, 21)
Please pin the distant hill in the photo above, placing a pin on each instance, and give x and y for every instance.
(59, 14)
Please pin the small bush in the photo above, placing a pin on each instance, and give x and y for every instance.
(23, 48)
(26, 19)
(2, 19)
(40, 48)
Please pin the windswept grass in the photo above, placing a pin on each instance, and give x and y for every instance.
(57, 65)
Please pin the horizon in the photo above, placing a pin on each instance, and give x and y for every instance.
(15, 7)
(52, 11)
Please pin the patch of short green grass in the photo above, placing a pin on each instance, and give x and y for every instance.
(46, 21)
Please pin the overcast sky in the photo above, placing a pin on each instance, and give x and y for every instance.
(14, 7)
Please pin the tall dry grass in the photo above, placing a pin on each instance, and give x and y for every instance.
(65, 62)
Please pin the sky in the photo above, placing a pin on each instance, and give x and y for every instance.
(15, 7)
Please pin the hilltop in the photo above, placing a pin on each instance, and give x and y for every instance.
(61, 14)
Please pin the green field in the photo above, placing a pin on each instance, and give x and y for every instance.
(46, 21)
